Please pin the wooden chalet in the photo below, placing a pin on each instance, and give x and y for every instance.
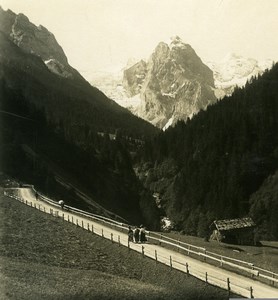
(234, 231)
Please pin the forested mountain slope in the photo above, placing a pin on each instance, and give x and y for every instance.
(68, 121)
(208, 167)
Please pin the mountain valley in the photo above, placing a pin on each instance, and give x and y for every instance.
(214, 161)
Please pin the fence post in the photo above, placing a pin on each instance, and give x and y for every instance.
(228, 286)
(128, 246)
(205, 255)
(71, 219)
(35, 205)
(44, 209)
(179, 244)
(68, 218)
(82, 224)
(77, 222)
(92, 228)
(112, 238)
(171, 262)
(187, 269)
(142, 251)
(188, 250)
(102, 232)
(251, 292)
(221, 262)
(119, 240)
(88, 226)
(160, 239)
(206, 277)
(155, 254)
(63, 216)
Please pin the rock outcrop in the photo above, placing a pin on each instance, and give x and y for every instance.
(134, 78)
(36, 40)
(173, 85)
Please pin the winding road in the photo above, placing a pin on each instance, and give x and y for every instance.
(215, 275)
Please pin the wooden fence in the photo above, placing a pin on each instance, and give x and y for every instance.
(107, 229)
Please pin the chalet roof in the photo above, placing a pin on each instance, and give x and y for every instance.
(223, 225)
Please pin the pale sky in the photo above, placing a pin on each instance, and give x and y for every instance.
(99, 34)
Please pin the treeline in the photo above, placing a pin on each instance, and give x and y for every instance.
(221, 157)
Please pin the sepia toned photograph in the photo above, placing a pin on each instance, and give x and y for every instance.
(138, 149)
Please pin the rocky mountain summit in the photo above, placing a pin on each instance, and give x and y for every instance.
(36, 40)
(174, 84)
(235, 70)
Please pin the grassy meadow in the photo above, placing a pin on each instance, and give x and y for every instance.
(264, 256)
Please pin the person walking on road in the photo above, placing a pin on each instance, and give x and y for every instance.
(142, 234)
(130, 234)
(62, 203)
(136, 234)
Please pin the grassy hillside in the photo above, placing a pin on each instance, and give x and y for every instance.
(45, 258)
(264, 256)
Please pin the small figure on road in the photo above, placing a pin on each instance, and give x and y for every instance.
(142, 234)
(62, 203)
(136, 234)
(130, 234)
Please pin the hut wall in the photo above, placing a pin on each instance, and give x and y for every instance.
(241, 236)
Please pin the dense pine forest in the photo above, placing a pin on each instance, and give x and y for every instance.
(208, 167)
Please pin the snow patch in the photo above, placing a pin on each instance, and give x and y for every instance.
(235, 70)
(171, 95)
(48, 61)
(176, 42)
(168, 124)
(57, 68)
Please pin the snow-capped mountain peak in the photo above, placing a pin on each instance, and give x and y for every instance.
(234, 70)
(176, 42)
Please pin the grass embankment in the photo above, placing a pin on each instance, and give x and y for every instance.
(265, 256)
(43, 257)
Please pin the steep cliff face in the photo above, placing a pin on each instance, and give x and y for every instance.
(176, 84)
(36, 40)
(134, 77)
